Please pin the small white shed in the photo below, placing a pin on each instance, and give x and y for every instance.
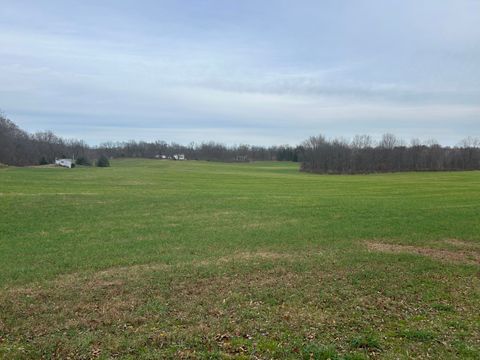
(64, 162)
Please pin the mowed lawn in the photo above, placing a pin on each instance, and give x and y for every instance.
(162, 259)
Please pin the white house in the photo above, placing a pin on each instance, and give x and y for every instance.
(64, 162)
(179, 157)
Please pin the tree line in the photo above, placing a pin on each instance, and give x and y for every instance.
(20, 148)
(317, 154)
(209, 151)
(390, 154)
(17, 147)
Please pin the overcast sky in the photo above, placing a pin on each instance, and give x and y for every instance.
(249, 71)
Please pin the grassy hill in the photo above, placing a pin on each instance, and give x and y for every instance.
(162, 259)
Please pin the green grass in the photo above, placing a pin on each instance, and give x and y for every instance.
(162, 259)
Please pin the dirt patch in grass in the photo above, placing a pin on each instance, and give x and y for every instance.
(460, 256)
(258, 255)
(463, 244)
(268, 224)
(108, 296)
(212, 310)
(103, 278)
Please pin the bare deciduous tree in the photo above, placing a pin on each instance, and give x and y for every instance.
(391, 154)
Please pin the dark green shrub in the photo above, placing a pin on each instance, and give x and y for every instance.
(43, 161)
(103, 161)
(83, 160)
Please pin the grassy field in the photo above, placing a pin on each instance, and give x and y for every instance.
(162, 259)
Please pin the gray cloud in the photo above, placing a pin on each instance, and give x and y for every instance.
(242, 72)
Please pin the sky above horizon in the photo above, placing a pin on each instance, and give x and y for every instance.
(257, 72)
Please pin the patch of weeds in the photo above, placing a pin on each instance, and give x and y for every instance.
(242, 344)
(457, 325)
(366, 341)
(418, 335)
(212, 355)
(443, 307)
(269, 346)
(153, 306)
(319, 352)
(10, 350)
(271, 297)
(248, 314)
(355, 356)
(364, 276)
(82, 344)
(467, 351)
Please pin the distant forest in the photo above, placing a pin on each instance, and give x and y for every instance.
(390, 154)
(317, 154)
(20, 148)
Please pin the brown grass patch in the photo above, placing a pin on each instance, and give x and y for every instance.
(123, 301)
(260, 255)
(462, 244)
(113, 296)
(117, 275)
(460, 256)
(268, 224)
(117, 311)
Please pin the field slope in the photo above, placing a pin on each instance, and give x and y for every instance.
(161, 259)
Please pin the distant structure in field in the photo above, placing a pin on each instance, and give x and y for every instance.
(64, 162)
(179, 157)
(241, 158)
